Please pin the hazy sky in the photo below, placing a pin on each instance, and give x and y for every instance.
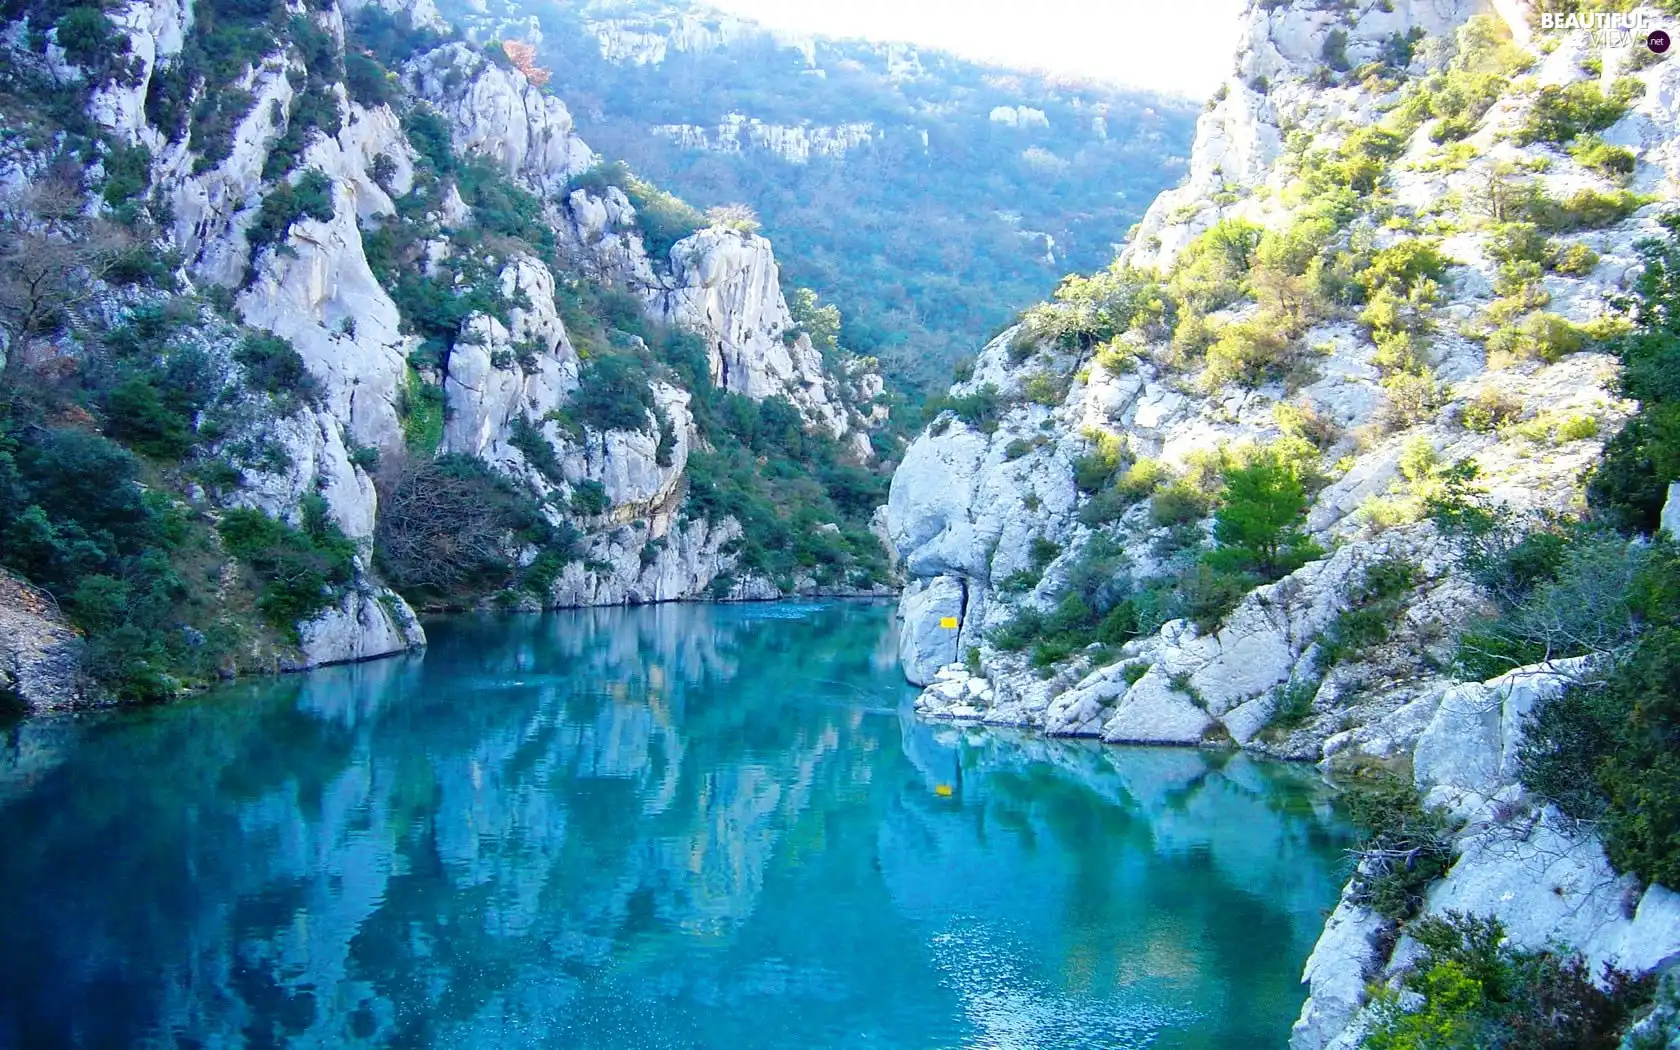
(1169, 45)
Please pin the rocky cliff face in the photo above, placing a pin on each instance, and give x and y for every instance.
(322, 276)
(1001, 511)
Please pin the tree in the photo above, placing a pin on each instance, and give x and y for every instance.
(523, 56)
(51, 258)
(1259, 526)
(821, 323)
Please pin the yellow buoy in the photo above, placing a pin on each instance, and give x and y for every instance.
(942, 790)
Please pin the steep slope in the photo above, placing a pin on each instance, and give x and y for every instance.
(1269, 480)
(927, 196)
(349, 304)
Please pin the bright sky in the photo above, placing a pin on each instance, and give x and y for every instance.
(1183, 46)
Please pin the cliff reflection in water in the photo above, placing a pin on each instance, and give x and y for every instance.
(683, 826)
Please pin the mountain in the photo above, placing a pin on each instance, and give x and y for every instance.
(928, 197)
(1357, 456)
(315, 317)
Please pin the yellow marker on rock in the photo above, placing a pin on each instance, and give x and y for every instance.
(942, 790)
(948, 622)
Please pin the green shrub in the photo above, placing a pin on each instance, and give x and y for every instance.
(274, 366)
(1600, 752)
(1044, 388)
(310, 197)
(1374, 607)
(1474, 988)
(1607, 160)
(1248, 353)
(301, 571)
(612, 394)
(1586, 209)
(149, 420)
(1574, 259)
(1490, 410)
(368, 82)
(1560, 114)
(589, 498)
(1630, 485)
(1177, 504)
(1092, 470)
(420, 407)
(981, 409)
(528, 438)
(1540, 337)
(1403, 846)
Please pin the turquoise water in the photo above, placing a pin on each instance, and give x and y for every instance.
(679, 826)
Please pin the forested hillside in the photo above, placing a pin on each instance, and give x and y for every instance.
(312, 317)
(927, 196)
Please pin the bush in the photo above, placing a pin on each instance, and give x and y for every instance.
(1630, 485)
(589, 498)
(612, 394)
(301, 571)
(1374, 607)
(1603, 158)
(1599, 752)
(1476, 989)
(1248, 353)
(310, 197)
(1562, 113)
(1093, 470)
(1044, 388)
(1490, 410)
(1403, 847)
(1586, 210)
(274, 366)
(1540, 336)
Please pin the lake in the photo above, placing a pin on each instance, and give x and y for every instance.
(706, 826)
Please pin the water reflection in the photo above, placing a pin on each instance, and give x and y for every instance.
(679, 826)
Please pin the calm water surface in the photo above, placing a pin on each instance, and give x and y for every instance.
(681, 826)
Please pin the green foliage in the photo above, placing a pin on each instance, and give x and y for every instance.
(1403, 846)
(1540, 336)
(420, 407)
(311, 197)
(589, 498)
(1095, 468)
(1629, 487)
(1334, 50)
(818, 320)
(301, 571)
(1375, 604)
(1259, 525)
(274, 366)
(1612, 162)
(612, 394)
(662, 218)
(1601, 751)
(1562, 113)
(528, 438)
(367, 80)
(981, 408)
(1478, 990)
(1586, 209)
(1087, 311)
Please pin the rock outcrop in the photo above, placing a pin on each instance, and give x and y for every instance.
(281, 217)
(995, 523)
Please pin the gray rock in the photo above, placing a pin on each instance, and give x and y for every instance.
(925, 644)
